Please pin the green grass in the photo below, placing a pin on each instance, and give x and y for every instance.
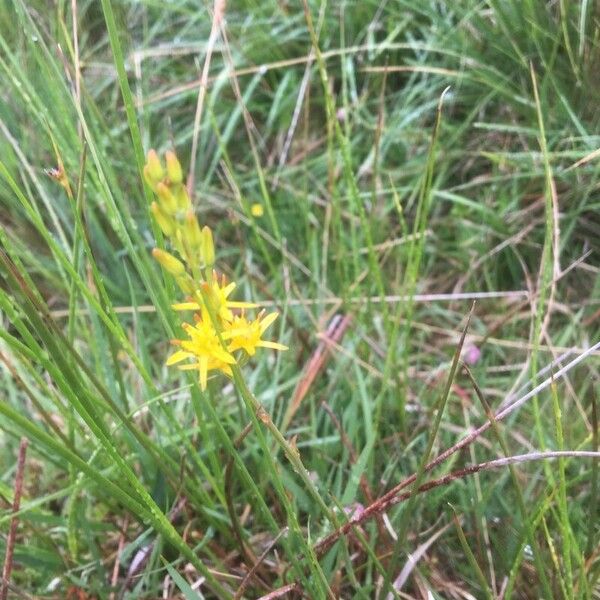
(374, 183)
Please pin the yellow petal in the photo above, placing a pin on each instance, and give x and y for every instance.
(189, 346)
(167, 201)
(191, 230)
(164, 220)
(224, 356)
(190, 367)
(273, 345)
(178, 357)
(228, 289)
(237, 332)
(208, 247)
(186, 306)
(227, 370)
(267, 321)
(153, 167)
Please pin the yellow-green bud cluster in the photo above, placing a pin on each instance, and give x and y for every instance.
(175, 216)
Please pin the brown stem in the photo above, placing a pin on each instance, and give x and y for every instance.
(390, 499)
(12, 533)
(387, 499)
(282, 591)
(252, 571)
(115, 572)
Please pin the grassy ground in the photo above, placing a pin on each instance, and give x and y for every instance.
(389, 206)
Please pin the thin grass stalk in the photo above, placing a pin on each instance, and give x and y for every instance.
(146, 510)
(527, 521)
(260, 416)
(47, 418)
(52, 336)
(247, 478)
(12, 532)
(346, 160)
(77, 207)
(405, 517)
(366, 546)
(593, 502)
(247, 122)
(159, 520)
(471, 557)
(128, 102)
(547, 273)
(410, 281)
(563, 519)
(229, 173)
(110, 321)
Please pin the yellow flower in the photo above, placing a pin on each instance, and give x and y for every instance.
(257, 210)
(205, 348)
(218, 294)
(207, 351)
(221, 327)
(246, 335)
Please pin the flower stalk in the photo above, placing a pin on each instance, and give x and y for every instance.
(222, 336)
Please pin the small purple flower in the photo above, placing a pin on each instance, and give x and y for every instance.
(471, 354)
(354, 511)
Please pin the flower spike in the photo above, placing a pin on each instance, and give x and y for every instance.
(221, 333)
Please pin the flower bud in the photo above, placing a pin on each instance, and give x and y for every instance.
(208, 247)
(165, 222)
(191, 230)
(149, 179)
(169, 262)
(173, 168)
(167, 201)
(153, 169)
(182, 198)
(177, 241)
(185, 283)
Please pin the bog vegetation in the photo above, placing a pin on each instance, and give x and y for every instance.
(397, 398)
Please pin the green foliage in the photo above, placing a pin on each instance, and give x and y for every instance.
(328, 123)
